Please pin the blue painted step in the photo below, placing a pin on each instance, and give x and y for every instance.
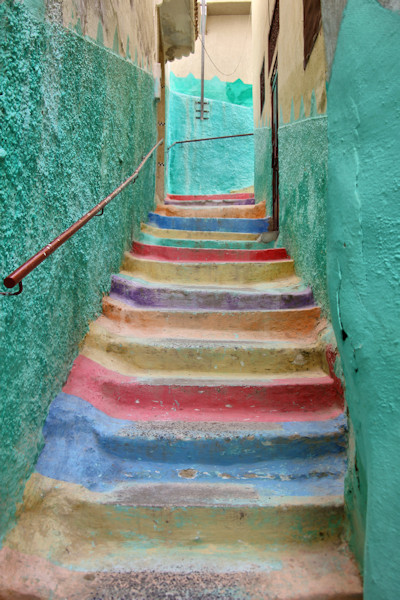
(85, 446)
(209, 224)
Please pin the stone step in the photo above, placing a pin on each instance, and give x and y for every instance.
(212, 400)
(256, 211)
(83, 529)
(203, 273)
(87, 447)
(135, 355)
(146, 238)
(180, 254)
(210, 224)
(183, 234)
(140, 293)
(230, 325)
(202, 197)
(323, 571)
(197, 202)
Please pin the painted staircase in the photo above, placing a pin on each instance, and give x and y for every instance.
(197, 450)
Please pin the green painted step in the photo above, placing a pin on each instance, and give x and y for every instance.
(145, 238)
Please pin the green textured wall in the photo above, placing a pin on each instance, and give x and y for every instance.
(235, 92)
(212, 167)
(303, 167)
(75, 121)
(364, 274)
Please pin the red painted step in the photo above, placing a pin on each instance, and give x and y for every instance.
(273, 400)
(175, 254)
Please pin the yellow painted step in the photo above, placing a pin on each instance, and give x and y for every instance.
(198, 235)
(230, 273)
(131, 355)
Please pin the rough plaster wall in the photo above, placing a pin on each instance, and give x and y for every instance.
(75, 121)
(262, 166)
(126, 26)
(364, 274)
(212, 167)
(303, 166)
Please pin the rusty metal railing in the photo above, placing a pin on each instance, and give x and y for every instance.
(16, 277)
(218, 137)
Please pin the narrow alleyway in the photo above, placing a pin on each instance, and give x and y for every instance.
(198, 447)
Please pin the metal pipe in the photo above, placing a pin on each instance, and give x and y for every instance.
(203, 41)
(16, 276)
(218, 137)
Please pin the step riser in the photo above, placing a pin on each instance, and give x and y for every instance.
(257, 211)
(62, 510)
(131, 355)
(206, 255)
(210, 224)
(208, 244)
(138, 295)
(87, 447)
(126, 398)
(182, 234)
(203, 273)
(220, 202)
(283, 324)
(237, 196)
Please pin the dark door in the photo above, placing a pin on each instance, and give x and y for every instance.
(275, 154)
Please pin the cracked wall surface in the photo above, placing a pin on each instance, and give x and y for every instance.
(75, 121)
(364, 275)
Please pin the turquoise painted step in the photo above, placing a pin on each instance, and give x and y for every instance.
(87, 447)
(210, 224)
(146, 238)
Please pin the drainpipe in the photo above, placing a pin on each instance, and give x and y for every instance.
(203, 41)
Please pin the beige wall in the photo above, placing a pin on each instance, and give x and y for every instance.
(293, 81)
(228, 41)
(133, 20)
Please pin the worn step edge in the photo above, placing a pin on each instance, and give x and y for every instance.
(211, 273)
(214, 255)
(135, 355)
(197, 235)
(323, 572)
(235, 325)
(255, 211)
(272, 400)
(222, 244)
(210, 224)
(146, 294)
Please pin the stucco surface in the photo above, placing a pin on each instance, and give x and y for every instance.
(75, 121)
(262, 166)
(211, 167)
(303, 164)
(363, 267)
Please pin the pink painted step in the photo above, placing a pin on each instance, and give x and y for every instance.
(175, 254)
(148, 399)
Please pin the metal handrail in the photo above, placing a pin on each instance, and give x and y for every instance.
(16, 276)
(219, 137)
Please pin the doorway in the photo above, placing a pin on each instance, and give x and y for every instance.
(275, 147)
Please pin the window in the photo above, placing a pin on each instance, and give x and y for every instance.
(262, 87)
(312, 20)
(273, 34)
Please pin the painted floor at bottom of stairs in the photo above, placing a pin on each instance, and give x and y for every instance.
(198, 448)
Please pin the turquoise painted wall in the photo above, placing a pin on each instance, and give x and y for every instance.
(75, 121)
(216, 166)
(303, 166)
(364, 274)
(235, 92)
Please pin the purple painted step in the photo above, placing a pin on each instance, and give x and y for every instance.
(137, 293)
